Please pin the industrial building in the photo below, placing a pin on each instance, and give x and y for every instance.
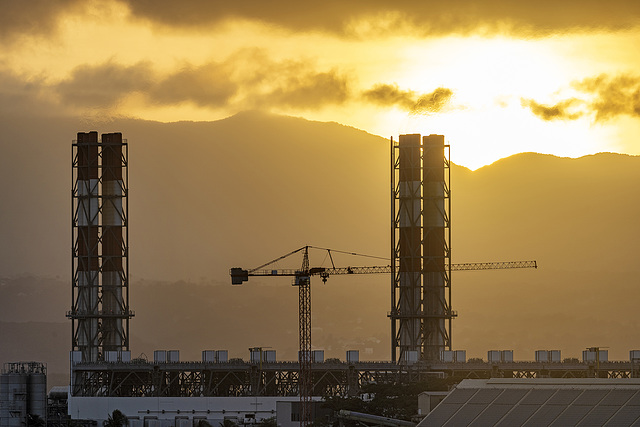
(167, 391)
(23, 394)
(539, 402)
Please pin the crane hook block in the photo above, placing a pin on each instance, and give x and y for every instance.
(238, 276)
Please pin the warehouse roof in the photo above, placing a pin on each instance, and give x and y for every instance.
(539, 402)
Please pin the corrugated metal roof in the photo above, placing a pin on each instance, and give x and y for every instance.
(539, 402)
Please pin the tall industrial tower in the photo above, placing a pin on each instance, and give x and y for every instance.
(421, 255)
(100, 286)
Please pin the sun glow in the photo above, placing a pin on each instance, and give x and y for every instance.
(486, 120)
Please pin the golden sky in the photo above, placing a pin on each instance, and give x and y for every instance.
(495, 77)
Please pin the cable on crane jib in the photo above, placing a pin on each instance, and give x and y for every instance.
(319, 248)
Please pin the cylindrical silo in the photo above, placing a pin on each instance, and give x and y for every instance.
(435, 250)
(37, 389)
(409, 298)
(4, 399)
(112, 243)
(18, 398)
(85, 304)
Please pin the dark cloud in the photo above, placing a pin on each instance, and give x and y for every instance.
(614, 96)
(390, 94)
(432, 102)
(560, 111)
(310, 90)
(34, 17)
(205, 86)
(606, 97)
(544, 16)
(25, 95)
(102, 86)
(247, 79)
(387, 95)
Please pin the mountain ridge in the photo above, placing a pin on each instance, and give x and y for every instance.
(205, 197)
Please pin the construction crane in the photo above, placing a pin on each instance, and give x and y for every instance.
(302, 279)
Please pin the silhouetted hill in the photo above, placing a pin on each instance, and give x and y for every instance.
(205, 197)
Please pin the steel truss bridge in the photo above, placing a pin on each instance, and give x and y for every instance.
(197, 379)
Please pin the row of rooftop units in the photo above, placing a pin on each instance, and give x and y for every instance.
(353, 356)
(542, 356)
(210, 356)
(255, 356)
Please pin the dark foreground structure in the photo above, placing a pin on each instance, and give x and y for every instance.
(331, 378)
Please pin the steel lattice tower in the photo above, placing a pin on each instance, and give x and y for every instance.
(421, 256)
(304, 355)
(100, 287)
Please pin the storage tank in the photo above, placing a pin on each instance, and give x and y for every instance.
(410, 357)
(555, 356)
(506, 356)
(269, 356)
(75, 357)
(493, 356)
(173, 356)
(208, 356)
(542, 356)
(222, 356)
(447, 356)
(318, 356)
(14, 408)
(590, 356)
(4, 399)
(125, 356)
(353, 356)
(460, 356)
(37, 389)
(111, 356)
(634, 355)
(160, 356)
(23, 392)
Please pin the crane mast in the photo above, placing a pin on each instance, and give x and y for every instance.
(303, 281)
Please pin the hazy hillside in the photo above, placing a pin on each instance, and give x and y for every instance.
(209, 196)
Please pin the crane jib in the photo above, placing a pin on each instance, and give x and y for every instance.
(239, 275)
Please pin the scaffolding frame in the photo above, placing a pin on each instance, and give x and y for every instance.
(90, 260)
(430, 283)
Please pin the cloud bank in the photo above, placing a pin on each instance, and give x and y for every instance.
(34, 17)
(543, 17)
(433, 17)
(229, 84)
